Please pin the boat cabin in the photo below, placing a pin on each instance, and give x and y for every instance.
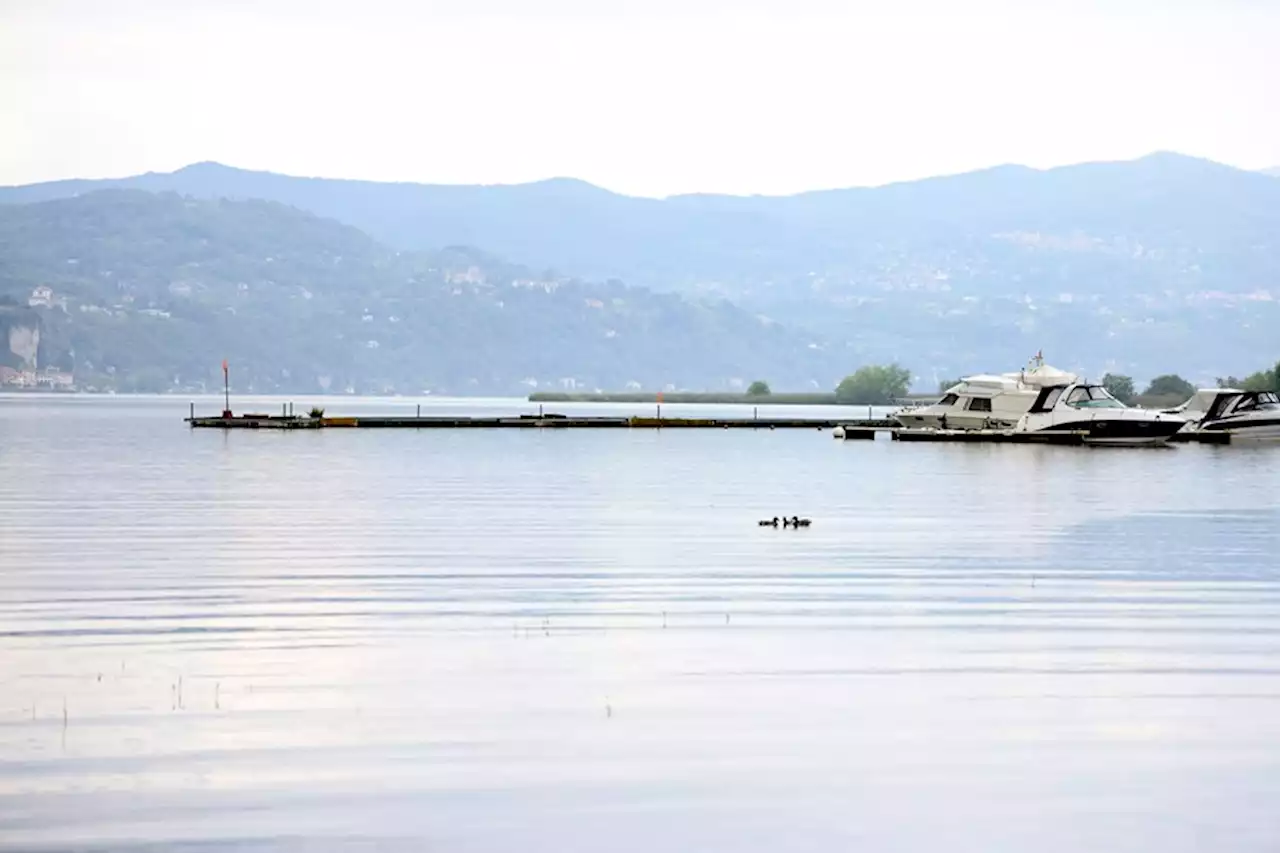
(965, 403)
(1218, 404)
(1076, 397)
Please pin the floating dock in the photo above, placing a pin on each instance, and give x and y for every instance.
(542, 421)
(989, 436)
(1213, 437)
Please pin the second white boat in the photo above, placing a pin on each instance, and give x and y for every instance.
(1240, 414)
(1080, 407)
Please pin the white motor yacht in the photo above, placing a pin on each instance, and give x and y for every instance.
(986, 401)
(1090, 409)
(1241, 414)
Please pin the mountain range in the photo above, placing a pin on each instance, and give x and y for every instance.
(1162, 263)
(690, 239)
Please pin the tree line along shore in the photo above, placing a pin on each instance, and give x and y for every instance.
(888, 385)
(827, 398)
(780, 399)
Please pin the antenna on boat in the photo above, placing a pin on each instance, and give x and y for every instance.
(1035, 362)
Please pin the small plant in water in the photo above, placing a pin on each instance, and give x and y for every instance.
(316, 412)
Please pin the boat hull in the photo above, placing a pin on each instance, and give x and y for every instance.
(954, 420)
(1243, 430)
(1121, 432)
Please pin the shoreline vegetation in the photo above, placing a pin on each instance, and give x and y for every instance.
(828, 398)
(871, 385)
(889, 385)
(1144, 401)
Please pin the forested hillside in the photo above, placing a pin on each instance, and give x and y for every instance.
(150, 291)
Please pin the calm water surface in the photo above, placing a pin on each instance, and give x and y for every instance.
(581, 641)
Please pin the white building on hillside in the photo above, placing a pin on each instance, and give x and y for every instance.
(41, 297)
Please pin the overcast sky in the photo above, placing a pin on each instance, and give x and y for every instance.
(649, 98)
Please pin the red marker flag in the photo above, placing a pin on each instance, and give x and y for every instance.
(224, 367)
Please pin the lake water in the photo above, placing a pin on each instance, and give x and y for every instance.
(582, 641)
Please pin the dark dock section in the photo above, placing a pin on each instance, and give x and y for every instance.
(1198, 437)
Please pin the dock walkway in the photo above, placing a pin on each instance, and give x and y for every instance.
(546, 421)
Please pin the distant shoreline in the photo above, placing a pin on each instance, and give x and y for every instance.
(682, 397)
(650, 397)
(1144, 401)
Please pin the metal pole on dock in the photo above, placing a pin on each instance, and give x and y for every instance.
(193, 411)
(226, 390)
(419, 410)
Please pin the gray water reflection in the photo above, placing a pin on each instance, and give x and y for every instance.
(581, 641)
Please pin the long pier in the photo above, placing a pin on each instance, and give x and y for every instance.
(540, 421)
(865, 430)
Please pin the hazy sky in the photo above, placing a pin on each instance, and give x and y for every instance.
(650, 97)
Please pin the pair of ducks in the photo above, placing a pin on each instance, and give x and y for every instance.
(793, 521)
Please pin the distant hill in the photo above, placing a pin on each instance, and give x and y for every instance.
(150, 291)
(1167, 203)
(1162, 263)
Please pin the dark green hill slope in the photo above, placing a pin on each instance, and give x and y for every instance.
(151, 291)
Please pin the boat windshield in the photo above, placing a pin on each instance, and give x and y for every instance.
(1265, 400)
(1092, 397)
(948, 400)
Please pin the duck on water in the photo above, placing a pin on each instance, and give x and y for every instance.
(793, 521)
